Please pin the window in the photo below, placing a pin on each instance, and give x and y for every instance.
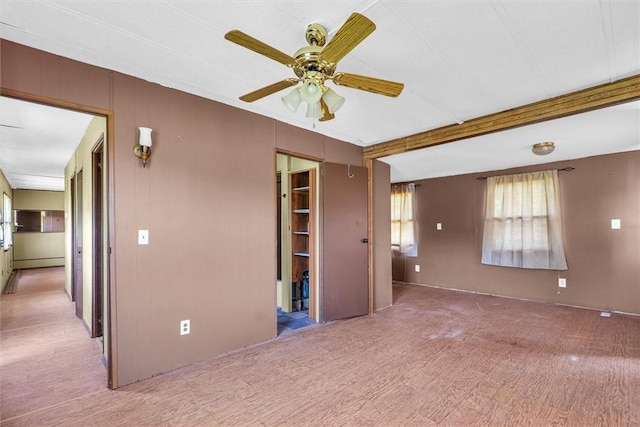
(6, 224)
(403, 227)
(523, 222)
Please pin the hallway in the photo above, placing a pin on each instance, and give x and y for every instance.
(46, 355)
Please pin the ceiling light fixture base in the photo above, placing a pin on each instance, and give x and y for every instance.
(316, 35)
(543, 148)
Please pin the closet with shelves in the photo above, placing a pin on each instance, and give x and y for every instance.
(302, 238)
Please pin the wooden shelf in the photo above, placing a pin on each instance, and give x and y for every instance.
(302, 239)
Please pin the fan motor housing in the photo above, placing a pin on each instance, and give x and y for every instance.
(308, 58)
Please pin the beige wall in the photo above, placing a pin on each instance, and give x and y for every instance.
(604, 265)
(211, 253)
(6, 258)
(81, 160)
(38, 200)
(35, 250)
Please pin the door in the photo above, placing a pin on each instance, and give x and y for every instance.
(98, 242)
(279, 225)
(345, 288)
(77, 242)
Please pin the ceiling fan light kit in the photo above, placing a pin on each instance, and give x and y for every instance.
(311, 91)
(292, 100)
(314, 111)
(333, 100)
(315, 64)
(543, 148)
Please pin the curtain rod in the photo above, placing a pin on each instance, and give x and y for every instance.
(567, 169)
(405, 183)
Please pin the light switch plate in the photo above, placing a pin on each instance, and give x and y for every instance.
(439, 226)
(143, 237)
(615, 224)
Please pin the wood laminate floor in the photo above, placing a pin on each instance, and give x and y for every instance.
(437, 357)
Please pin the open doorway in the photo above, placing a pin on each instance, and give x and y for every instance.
(72, 147)
(323, 240)
(298, 249)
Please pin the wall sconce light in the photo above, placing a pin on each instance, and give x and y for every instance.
(142, 150)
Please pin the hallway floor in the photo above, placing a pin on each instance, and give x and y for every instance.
(47, 357)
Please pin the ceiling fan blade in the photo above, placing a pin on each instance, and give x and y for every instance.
(370, 84)
(326, 115)
(268, 90)
(352, 32)
(245, 40)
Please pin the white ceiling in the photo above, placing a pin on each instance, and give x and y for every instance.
(610, 130)
(458, 60)
(36, 143)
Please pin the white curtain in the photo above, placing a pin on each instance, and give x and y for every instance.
(7, 241)
(403, 227)
(523, 222)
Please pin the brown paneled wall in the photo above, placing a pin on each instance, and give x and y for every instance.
(206, 197)
(381, 212)
(604, 264)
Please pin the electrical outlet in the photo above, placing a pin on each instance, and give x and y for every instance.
(185, 327)
(562, 282)
(615, 224)
(417, 268)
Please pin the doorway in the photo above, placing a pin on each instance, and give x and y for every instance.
(323, 241)
(87, 261)
(297, 245)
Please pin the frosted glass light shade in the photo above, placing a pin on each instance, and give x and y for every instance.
(333, 100)
(311, 91)
(292, 100)
(543, 148)
(314, 111)
(145, 137)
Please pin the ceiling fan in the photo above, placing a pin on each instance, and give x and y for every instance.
(313, 65)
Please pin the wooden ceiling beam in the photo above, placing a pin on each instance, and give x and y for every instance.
(601, 96)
